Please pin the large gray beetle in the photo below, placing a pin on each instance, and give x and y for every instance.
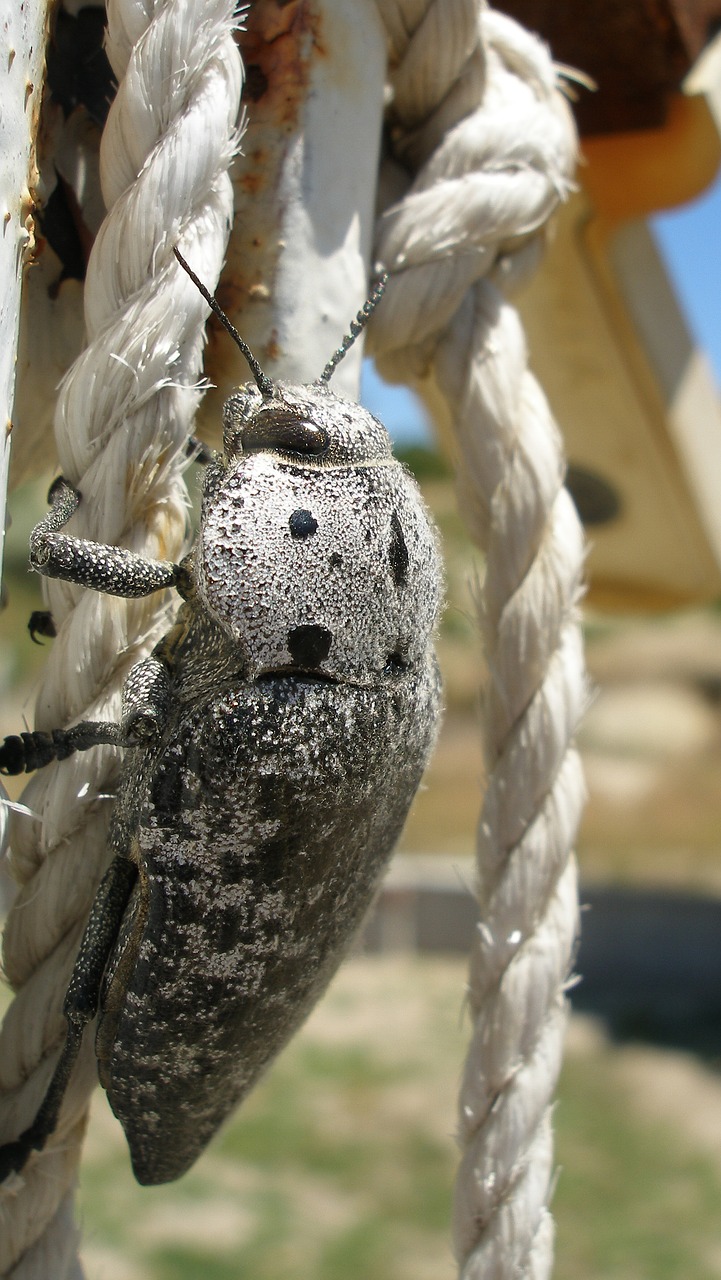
(276, 737)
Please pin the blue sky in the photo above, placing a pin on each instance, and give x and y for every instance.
(397, 407)
(690, 240)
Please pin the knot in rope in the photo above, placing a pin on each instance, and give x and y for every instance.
(486, 147)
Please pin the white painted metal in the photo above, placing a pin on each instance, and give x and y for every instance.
(304, 210)
(327, 196)
(22, 49)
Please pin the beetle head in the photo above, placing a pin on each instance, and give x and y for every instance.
(287, 420)
(315, 553)
(305, 425)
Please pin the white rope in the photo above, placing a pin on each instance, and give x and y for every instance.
(490, 142)
(123, 416)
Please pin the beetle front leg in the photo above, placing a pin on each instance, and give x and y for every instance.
(80, 1007)
(113, 570)
(197, 451)
(26, 752)
(146, 701)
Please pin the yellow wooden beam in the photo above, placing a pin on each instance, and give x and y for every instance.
(632, 175)
(636, 400)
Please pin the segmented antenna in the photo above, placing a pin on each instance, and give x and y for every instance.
(357, 326)
(265, 386)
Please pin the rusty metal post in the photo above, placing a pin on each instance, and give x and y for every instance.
(305, 187)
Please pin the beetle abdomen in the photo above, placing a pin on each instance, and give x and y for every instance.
(265, 824)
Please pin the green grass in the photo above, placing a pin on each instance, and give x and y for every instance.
(634, 1199)
(340, 1165)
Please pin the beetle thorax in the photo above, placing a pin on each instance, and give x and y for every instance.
(323, 569)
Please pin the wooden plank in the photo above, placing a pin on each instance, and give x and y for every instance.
(636, 401)
(637, 51)
(638, 409)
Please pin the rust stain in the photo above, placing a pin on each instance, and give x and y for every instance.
(253, 182)
(229, 295)
(277, 47)
(31, 197)
(280, 48)
(256, 82)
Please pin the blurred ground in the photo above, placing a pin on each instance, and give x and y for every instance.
(651, 746)
(342, 1162)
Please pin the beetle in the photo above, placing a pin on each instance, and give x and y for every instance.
(274, 738)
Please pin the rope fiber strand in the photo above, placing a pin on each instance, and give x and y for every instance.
(478, 119)
(122, 424)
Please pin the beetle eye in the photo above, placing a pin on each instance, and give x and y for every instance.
(280, 429)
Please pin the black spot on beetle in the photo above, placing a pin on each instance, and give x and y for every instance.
(335, 560)
(234, 928)
(302, 524)
(268, 796)
(310, 645)
(396, 664)
(398, 552)
(186, 873)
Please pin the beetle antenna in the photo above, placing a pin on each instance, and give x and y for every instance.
(265, 386)
(357, 326)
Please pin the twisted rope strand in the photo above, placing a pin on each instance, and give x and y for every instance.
(525, 948)
(492, 151)
(122, 420)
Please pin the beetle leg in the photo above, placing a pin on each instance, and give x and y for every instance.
(146, 701)
(146, 698)
(25, 752)
(80, 1007)
(198, 452)
(41, 624)
(113, 570)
